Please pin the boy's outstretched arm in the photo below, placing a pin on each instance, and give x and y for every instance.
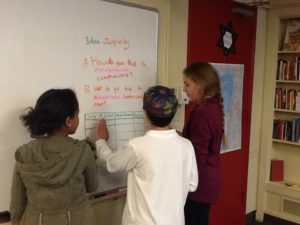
(102, 131)
(123, 159)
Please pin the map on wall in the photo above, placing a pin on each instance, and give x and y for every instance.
(231, 77)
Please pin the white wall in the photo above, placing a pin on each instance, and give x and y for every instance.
(256, 116)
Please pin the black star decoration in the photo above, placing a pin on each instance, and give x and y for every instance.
(227, 39)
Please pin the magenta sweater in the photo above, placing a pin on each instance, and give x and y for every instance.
(204, 129)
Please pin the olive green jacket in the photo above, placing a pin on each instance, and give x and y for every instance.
(50, 181)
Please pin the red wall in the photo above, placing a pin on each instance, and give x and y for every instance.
(205, 18)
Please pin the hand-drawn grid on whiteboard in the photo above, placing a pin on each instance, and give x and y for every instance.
(122, 126)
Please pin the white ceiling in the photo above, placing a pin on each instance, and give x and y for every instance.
(271, 3)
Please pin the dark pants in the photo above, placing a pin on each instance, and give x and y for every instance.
(196, 213)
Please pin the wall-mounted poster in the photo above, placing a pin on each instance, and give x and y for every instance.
(231, 76)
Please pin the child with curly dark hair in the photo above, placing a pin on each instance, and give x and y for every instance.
(53, 172)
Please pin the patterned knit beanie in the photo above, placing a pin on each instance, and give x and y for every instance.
(160, 101)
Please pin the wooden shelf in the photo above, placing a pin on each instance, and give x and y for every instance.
(288, 52)
(286, 111)
(286, 142)
(281, 188)
(288, 81)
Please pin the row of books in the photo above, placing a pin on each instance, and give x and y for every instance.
(288, 69)
(287, 99)
(287, 130)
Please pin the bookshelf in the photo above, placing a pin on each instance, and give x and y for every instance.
(280, 199)
(286, 122)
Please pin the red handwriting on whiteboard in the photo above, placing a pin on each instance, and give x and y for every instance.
(111, 70)
(94, 61)
(117, 42)
(115, 76)
(99, 103)
(101, 95)
(99, 88)
(117, 97)
(143, 64)
(132, 97)
(108, 41)
(112, 89)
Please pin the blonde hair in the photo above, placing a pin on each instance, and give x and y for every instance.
(207, 77)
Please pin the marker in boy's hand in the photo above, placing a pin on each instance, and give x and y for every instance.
(102, 131)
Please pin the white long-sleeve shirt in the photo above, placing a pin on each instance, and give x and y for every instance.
(161, 169)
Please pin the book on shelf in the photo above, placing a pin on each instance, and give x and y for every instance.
(287, 130)
(277, 170)
(288, 69)
(297, 105)
(288, 99)
(292, 36)
(295, 130)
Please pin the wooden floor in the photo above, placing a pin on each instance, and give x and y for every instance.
(268, 220)
(254, 223)
(258, 223)
(4, 221)
(273, 221)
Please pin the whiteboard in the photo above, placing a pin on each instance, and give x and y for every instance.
(106, 52)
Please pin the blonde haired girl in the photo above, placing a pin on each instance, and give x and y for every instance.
(204, 128)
